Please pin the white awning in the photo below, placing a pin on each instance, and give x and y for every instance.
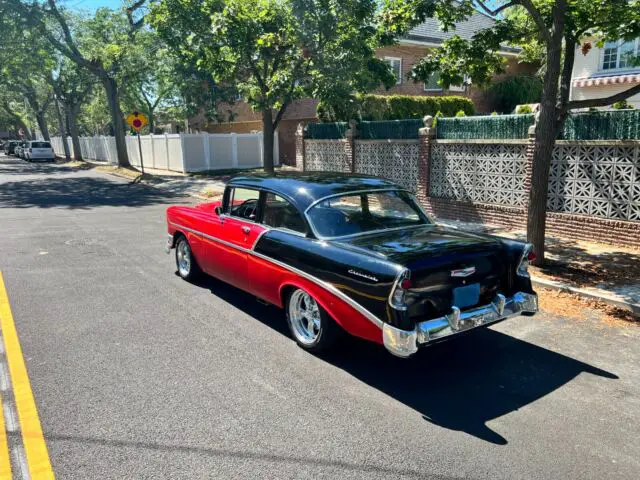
(611, 80)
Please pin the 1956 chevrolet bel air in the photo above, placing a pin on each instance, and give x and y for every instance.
(352, 253)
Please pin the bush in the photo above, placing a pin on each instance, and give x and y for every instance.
(460, 113)
(394, 107)
(622, 105)
(507, 94)
(522, 109)
(494, 113)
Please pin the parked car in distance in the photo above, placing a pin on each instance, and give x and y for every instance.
(18, 150)
(10, 147)
(38, 150)
(351, 253)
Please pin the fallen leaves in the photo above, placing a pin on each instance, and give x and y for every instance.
(574, 306)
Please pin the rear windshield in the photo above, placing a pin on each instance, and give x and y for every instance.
(40, 145)
(365, 212)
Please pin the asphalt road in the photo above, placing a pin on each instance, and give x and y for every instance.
(138, 374)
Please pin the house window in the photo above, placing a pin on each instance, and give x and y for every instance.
(431, 85)
(396, 67)
(620, 54)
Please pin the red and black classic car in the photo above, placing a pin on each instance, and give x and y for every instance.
(351, 253)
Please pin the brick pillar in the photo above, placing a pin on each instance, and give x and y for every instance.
(531, 148)
(350, 150)
(426, 136)
(300, 153)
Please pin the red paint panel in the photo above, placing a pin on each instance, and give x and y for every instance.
(269, 281)
(253, 274)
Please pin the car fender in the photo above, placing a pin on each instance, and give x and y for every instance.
(350, 319)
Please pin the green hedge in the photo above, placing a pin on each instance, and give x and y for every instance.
(603, 125)
(490, 126)
(390, 129)
(326, 130)
(393, 107)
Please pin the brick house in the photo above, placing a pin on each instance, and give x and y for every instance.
(401, 58)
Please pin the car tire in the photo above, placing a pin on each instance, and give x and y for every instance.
(311, 326)
(185, 261)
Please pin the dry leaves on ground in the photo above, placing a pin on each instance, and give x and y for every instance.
(574, 306)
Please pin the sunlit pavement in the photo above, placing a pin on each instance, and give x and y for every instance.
(138, 374)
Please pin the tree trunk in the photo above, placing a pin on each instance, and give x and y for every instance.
(151, 125)
(63, 133)
(546, 134)
(267, 140)
(42, 125)
(72, 113)
(111, 89)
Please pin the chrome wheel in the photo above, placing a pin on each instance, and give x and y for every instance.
(183, 255)
(304, 315)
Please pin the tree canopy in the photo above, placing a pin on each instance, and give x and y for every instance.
(272, 52)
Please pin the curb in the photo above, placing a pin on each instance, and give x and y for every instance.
(608, 299)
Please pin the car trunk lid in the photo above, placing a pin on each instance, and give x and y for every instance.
(448, 266)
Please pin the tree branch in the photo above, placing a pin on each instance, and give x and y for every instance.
(496, 11)
(66, 32)
(567, 70)
(537, 18)
(135, 25)
(603, 102)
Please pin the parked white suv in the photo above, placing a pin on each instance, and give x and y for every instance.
(38, 150)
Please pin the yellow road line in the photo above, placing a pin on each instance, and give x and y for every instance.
(5, 462)
(32, 437)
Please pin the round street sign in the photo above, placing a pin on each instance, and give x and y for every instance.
(21, 132)
(137, 120)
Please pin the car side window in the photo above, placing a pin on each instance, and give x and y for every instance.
(243, 203)
(279, 213)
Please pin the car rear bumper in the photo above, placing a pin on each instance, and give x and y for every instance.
(405, 343)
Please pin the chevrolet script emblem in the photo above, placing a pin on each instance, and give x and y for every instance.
(463, 272)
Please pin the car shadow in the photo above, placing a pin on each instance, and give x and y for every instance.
(459, 385)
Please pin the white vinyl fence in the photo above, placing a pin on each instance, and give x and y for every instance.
(179, 152)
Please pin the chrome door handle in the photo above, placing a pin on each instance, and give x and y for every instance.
(246, 230)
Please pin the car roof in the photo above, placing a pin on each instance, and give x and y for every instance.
(304, 188)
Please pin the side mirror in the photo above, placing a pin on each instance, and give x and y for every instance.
(218, 210)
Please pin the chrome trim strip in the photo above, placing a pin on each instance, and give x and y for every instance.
(321, 283)
(267, 229)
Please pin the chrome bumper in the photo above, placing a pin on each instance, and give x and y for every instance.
(405, 343)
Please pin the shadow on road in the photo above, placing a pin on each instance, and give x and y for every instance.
(460, 385)
(79, 193)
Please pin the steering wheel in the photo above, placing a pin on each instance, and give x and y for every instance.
(247, 209)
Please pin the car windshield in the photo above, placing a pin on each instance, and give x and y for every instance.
(365, 212)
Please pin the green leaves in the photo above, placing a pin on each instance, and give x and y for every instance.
(275, 51)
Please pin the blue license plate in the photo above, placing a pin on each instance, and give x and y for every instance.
(466, 296)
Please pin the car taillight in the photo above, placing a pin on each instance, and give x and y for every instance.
(527, 257)
(397, 299)
(31, 150)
